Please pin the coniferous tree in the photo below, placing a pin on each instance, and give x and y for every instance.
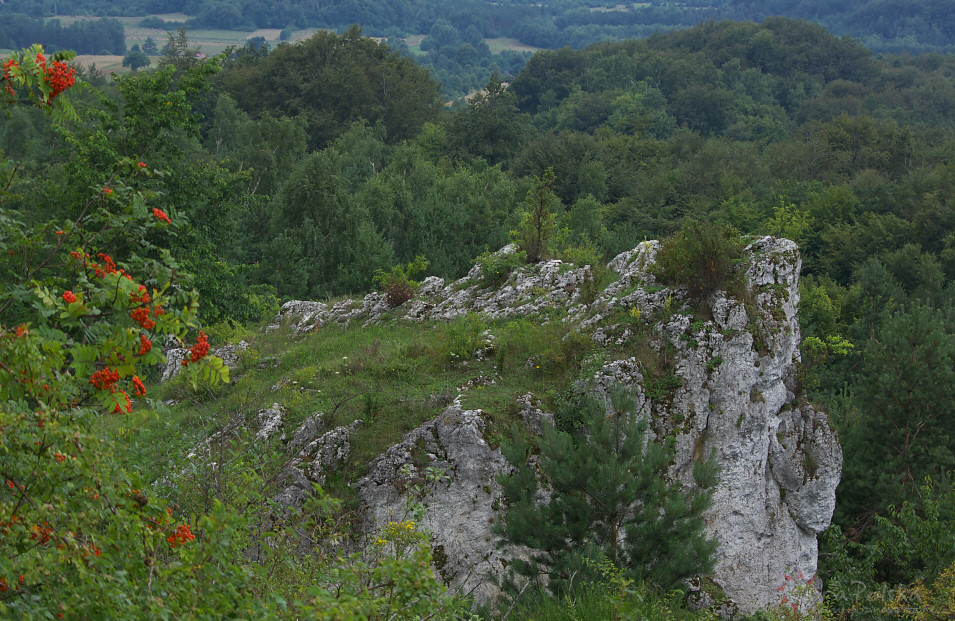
(150, 48)
(178, 52)
(538, 218)
(608, 497)
(905, 393)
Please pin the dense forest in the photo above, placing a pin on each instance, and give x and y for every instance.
(454, 39)
(92, 36)
(883, 25)
(305, 170)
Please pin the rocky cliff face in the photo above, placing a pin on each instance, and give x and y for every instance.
(460, 511)
(730, 392)
(779, 460)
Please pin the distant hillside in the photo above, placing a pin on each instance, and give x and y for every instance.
(883, 25)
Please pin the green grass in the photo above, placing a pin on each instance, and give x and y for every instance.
(603, 600)
(393, 377)
(414, 44)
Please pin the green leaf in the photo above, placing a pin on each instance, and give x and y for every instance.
(139, 208)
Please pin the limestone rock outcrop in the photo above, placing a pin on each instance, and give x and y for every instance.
(779, 460)
(315, 456)
(735, 399)
(460, 495)
(729, 391)
(550, 284)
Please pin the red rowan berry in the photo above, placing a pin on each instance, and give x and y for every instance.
(104, 379)
(198, 351)
(144, 345)
(161, 215)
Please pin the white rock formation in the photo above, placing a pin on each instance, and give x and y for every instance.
(779, 460)
(460, 511)
(174, 357)
(315, 457)
(269, 421)
(732, 394)
(529, 290)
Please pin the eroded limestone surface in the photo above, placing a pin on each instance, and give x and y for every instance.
(779, 460)
(737, 400)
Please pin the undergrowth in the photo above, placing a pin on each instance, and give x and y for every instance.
(392, 376)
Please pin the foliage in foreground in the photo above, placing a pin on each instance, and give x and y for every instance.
(81, 536)
(83, 301)
(611, 596)
(906, 571)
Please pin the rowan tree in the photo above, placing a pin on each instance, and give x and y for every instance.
(87, 296)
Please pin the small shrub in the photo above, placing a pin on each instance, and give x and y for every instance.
(701, 256)
(459, 339)
(397, 283)
(262, 304)
(496, 267)
(798, 601)
(568, 410)
(661, 387)
(228, 331)
(923, 602)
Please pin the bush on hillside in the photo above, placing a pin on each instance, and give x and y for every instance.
(397, 283)
(703, 257)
